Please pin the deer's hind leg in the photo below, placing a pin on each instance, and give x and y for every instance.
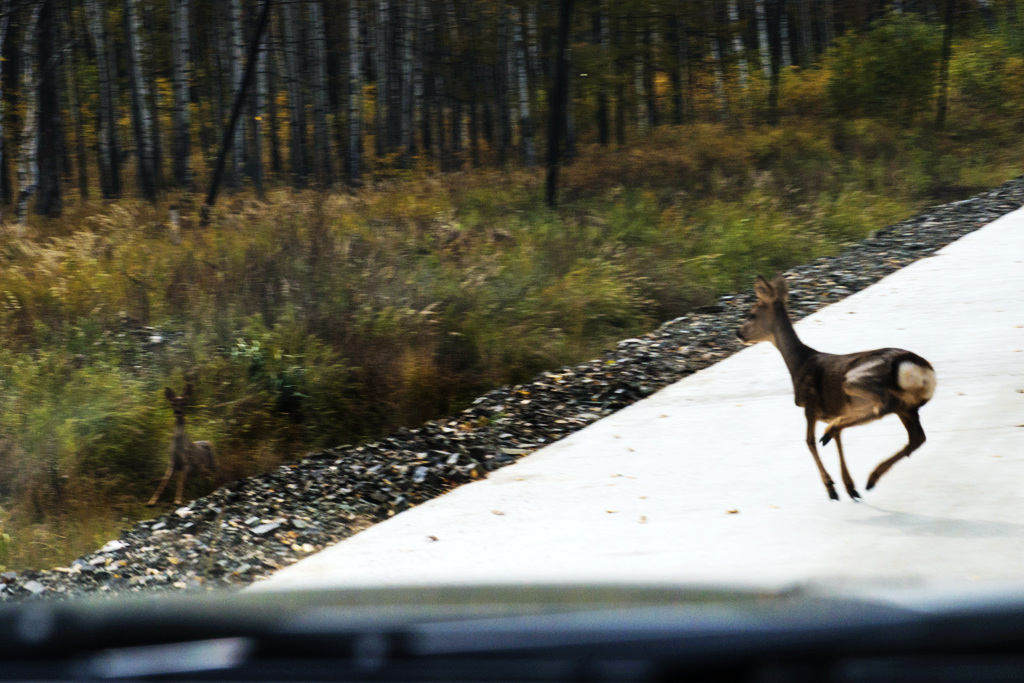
(915, 432)
(163, 484)
(825, 478)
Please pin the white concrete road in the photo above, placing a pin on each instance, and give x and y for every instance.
(710, 481)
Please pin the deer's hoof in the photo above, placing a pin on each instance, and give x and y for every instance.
(854, 496)
(832, 492)
(825, 438)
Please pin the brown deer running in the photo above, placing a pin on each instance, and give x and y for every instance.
(185, 454)
(842, 390)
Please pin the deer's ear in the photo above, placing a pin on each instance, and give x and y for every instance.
(169, 393)
(781, 288)
(763, 289)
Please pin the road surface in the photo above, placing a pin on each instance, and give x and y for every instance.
(709, 480)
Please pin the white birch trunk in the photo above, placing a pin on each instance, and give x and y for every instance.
(423, 31)
(806, 34)
(28, 159)
(716, 64)
(457, 135)
(406, 94)
(525, 120)
(236, 45)
(988, 14)
(642, 115)
(355, 91)
(181, 63)
(321, 138)
(762, 40)
(784, 41)
(532, 41)
(296, 101)
(5, 8)
(110, 183)
(383, 59)
(737, 43)
(827, 23)
(603, 39)
(505, 85)
(141, 114)
(257, 105)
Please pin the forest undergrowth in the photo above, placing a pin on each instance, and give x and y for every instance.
(310, 319)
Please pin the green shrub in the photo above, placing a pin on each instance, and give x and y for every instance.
(889, 71)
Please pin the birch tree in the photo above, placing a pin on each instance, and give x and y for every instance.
(405, 98)
(737, 42)
(638, 78)
(5, 9)
(501, 90)
(321, 139)
(678, 74)
(106, 131)
(28, 162)
(382, 63)
(806, 34)
(786, 58)
(236, 58)
(558, 98)
(601, 36)
(296, 99)
(762, 39)
(355, 91)
(48, 199)
(71, 87)
(827, 23)
(520, 62)
(272, 71)
(142, 122)
(257, 102)
(180, 67)
(716, 64)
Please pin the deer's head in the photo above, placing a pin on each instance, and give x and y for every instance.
(179, 403)
(759, 325)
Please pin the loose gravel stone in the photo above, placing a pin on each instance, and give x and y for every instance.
(245, 531)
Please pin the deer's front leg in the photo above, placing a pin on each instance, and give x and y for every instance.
(163, 484)
(847, 479)
(827, 480)
(181, 484)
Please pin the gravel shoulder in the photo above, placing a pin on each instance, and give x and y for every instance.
(246, 531)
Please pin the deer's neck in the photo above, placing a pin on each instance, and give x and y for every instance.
(793, 351)
(179, 425)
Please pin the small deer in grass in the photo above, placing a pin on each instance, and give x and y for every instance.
(185, 454)
(842, 390)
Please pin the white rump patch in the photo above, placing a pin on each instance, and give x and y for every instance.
(916, 379)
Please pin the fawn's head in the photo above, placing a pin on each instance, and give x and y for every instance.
(179, 403)
(759, 325)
